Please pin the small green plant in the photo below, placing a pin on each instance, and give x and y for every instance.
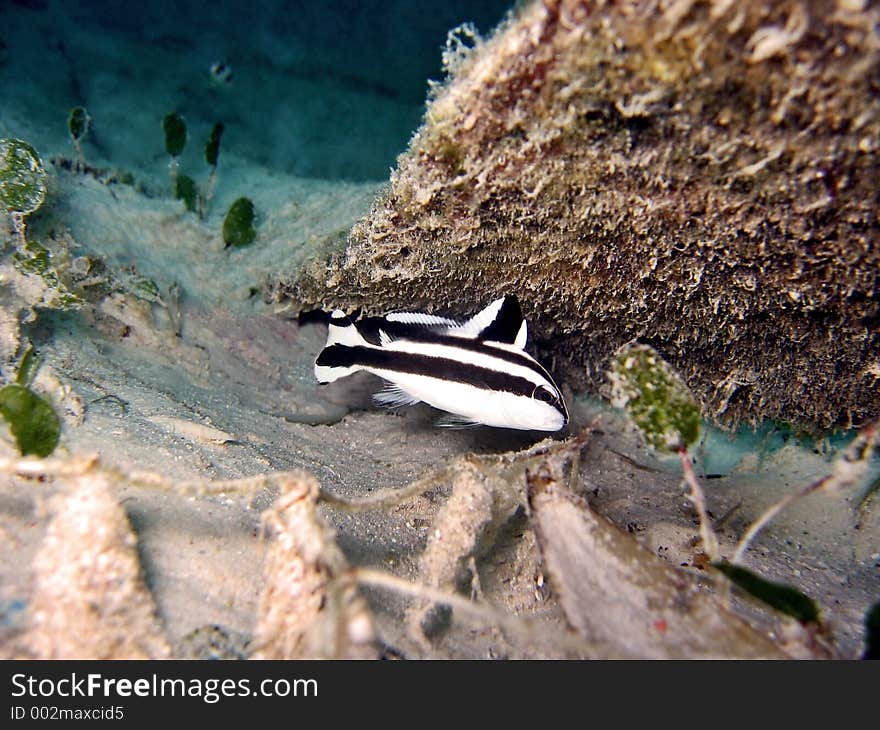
(142, 287)
(212, 146)
(22, 183)
(22, 191)
(31, 420)
(28, 366)
(238, 226)
(664, 410)
(186, 190)
(78, 123)
(34, 259)
(212, 154)
(184, 187)
(175, 141)
(175, 134)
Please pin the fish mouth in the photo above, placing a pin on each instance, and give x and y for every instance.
(552, 424)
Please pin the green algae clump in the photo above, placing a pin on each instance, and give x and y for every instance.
(655, 398)
(186, 190)
(175, 133)
(31, 419)
(22, 177)
(78, 123)
(34, 259)
(238, 226)
(212, 155)
(212, 146)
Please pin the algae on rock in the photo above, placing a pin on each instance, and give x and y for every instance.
(22, 183)
(701, 176)
(655, 398)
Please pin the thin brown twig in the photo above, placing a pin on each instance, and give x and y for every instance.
(848, 471)
(698, 499)
(770, 513)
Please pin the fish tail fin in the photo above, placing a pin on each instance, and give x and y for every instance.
(335, 360)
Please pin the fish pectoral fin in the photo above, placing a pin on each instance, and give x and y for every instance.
(393, 396)
(453, 420)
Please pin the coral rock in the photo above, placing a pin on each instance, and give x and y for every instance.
(698, 175)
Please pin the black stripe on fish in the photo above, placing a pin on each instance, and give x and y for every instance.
(369, 327)
(442, 368)
(429, 337)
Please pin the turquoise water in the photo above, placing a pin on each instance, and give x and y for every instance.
(322, 90)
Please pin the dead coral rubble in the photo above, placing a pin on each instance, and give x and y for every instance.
(308, 609)
(615, 592)
(618, 598)
(89, 599)
(700, 175)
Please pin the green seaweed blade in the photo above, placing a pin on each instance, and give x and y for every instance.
(782, 597)
(175, 133)
(31, 419)
(238, 226)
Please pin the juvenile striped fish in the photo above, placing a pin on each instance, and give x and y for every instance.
(477, 371)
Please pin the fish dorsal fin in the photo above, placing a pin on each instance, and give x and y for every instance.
(501, 321)
(426, 320)
(519, 342)
(483, 319)
(521, 336)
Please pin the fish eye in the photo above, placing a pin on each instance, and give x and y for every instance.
(545, 395)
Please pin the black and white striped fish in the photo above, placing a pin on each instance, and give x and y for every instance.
(476, 371)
